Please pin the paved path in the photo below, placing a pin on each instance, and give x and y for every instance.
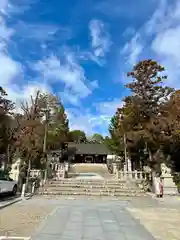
(84, 219)
(93, 219)
(8, 200)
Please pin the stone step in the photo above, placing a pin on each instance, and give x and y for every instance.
(90, 190)
(68, 193)
(94, 182)
(89, 187)
(86, 185)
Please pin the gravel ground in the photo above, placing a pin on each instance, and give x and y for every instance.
(23, 218)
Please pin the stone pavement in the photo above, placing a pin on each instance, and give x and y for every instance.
(91, 220)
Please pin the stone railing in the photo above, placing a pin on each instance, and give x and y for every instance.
(136, 175)
(60, 173)
(14, 174)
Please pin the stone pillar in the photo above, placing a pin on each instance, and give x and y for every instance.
(129, 166)
(125, 167)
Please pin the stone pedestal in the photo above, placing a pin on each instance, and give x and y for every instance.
(169, 186)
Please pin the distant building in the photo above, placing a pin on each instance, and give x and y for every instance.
(87, 152)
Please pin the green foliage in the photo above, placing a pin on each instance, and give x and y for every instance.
(115, 141)
(58, 125)
(6, 124)
(98, 138)
(77, 136)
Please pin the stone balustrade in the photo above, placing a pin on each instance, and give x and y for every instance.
(136, 175)
(60, 174)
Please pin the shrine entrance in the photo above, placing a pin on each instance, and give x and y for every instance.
(87, 152)
(88, 159)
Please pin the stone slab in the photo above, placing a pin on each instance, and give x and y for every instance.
(91, 220)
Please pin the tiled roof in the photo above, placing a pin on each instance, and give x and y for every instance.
(88, 148)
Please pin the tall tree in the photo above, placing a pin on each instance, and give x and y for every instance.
(115, 141)
(148, 95)
(57, 121)
(6, 130)
(29, 136)
(171, 146)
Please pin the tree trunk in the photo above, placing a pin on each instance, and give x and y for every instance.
(8, 154)
(44, 148)
(28, 172)
(155, 173)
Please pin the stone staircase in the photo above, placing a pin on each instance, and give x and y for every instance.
(87, 187)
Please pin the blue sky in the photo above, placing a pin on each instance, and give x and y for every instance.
(81, 50)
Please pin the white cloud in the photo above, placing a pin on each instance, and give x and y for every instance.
(97, 122)
(132, 50)
(18, 6)
(22, 94)
(109, 107)
(69, 97)
(158, 20)
(166, 44)
(81, 121)
(9, 68)
(100, 38)
(159, 38)
(68, 72)
(166, 15)
(94, 84)
(3, 6)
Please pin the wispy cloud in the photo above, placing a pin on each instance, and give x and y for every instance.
(68, 72)
(124, 9)
(81, 120)
(100, 38)
(166, 15)
(12, 71)
(94, 122)
(10, 67)
(20, 94)
(159, 38)
(40, 32)
(10, 7)
(108, 107)
(166, 43)
(132, 50)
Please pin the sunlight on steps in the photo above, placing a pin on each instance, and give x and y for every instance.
(90, 187)
(100, 169)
